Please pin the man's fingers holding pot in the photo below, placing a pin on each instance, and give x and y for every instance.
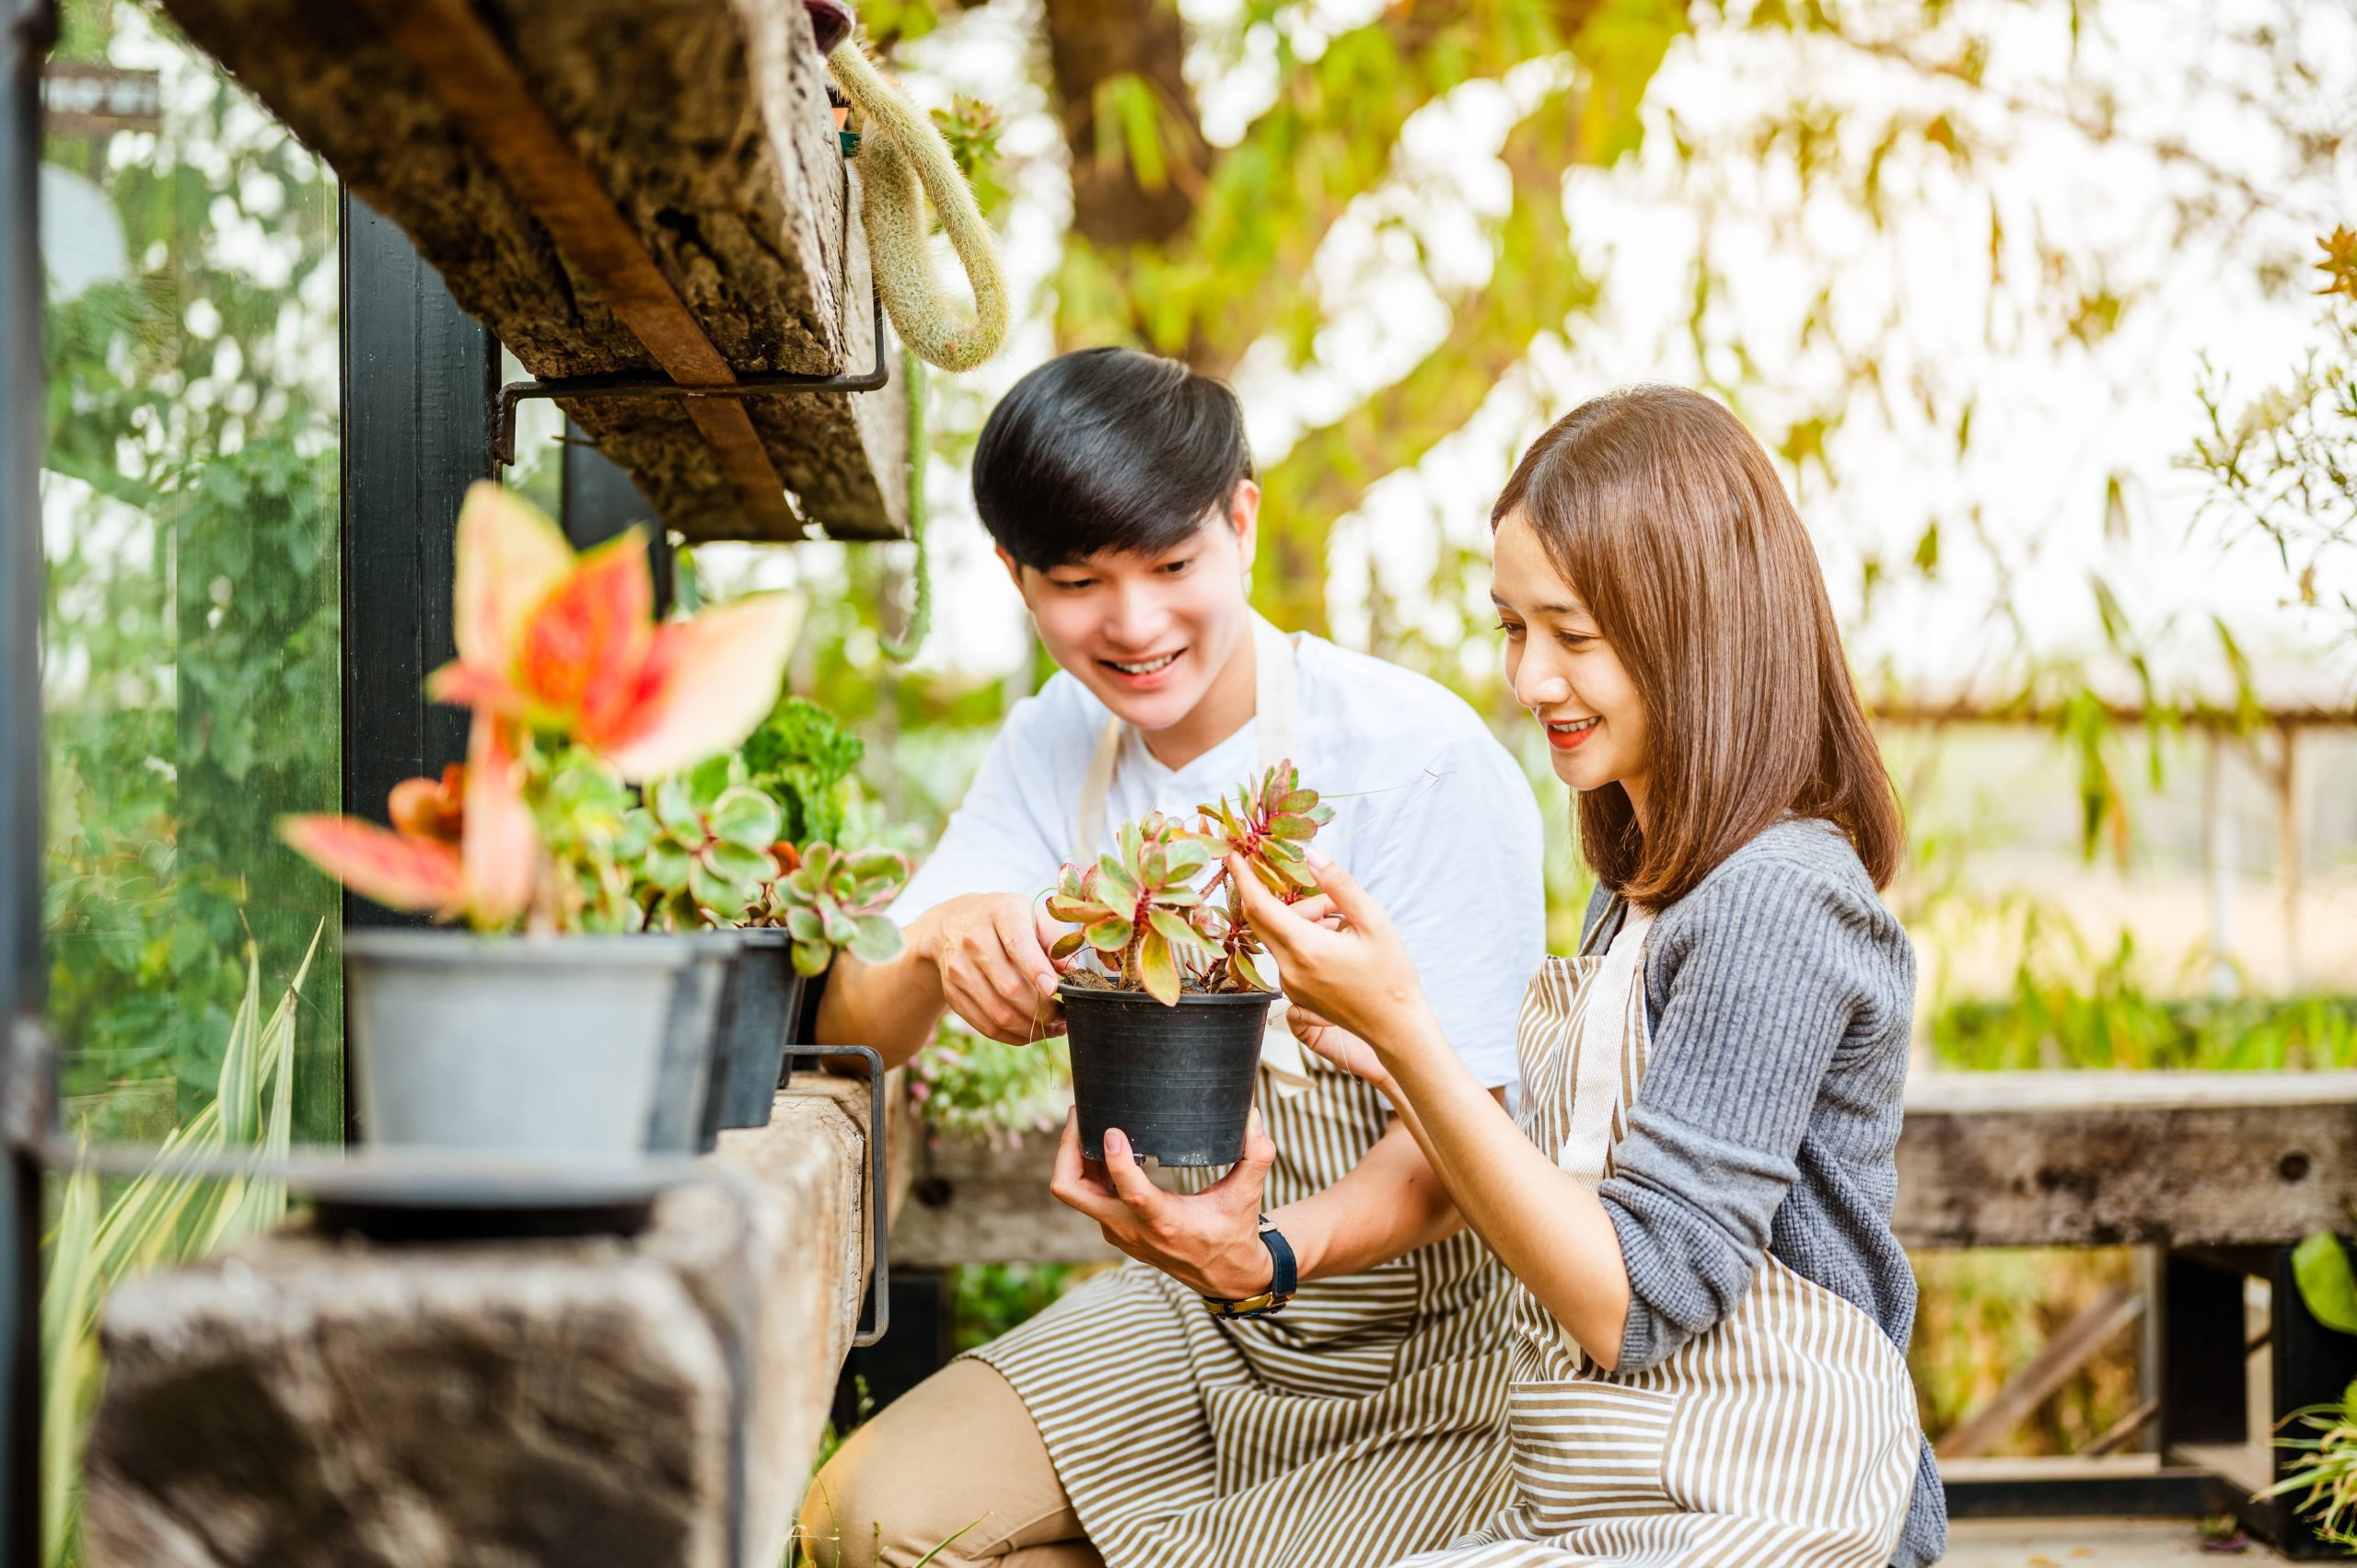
(1074, 1185)
(1144, 1199)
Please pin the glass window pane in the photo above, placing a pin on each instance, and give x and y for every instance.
(190, 518)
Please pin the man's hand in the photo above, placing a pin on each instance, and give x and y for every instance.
(991, 950)
(1209, 1242)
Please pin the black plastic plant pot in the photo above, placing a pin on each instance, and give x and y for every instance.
(757, 1020)
(1177, 1080)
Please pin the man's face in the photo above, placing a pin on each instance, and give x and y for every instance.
(1148, 633)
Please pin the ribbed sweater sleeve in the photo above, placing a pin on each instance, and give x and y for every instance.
(1759, 976)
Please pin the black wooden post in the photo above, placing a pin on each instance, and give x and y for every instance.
(419, 375)
(599, 502)
(418, 379)
(2202, 1381)
(2308, 1365)
(26, 27)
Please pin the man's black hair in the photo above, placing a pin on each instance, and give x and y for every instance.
(1107, 449)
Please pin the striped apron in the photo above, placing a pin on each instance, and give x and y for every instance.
(1787, 1434)
(1364, 1422)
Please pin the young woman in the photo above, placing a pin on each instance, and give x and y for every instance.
(1695, 1198)
(1168, 1412)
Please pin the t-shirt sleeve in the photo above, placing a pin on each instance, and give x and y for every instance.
(1460, 871)
(998, 840)
(1765, 976)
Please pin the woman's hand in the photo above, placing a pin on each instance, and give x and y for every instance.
(1339, 1047)
(1339, 956)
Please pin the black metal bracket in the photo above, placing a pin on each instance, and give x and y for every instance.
(879, 1220)
(599, 388)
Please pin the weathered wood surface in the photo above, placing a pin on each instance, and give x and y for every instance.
(706, 123)
(2186, 1159)
(577, 1404)
(1993, 1159)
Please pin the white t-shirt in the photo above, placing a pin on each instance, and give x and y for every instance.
(1430, 816)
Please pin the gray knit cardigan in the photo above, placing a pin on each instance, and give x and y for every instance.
(1780, 995)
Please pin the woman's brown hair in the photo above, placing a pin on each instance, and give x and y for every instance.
(1659, 508)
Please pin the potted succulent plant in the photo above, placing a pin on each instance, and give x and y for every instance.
(555, 1023)
(734, 845)
(1166, 1012)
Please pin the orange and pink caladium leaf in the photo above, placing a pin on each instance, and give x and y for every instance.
(501, 853)
(379, 864)
(583, 655)
(708, 682)
(431, 808)
(510, 558)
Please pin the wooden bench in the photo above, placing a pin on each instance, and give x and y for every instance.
(2219, 1173)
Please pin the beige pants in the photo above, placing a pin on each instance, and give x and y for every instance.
(956, 1456)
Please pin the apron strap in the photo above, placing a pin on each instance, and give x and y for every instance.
(1616, 1004)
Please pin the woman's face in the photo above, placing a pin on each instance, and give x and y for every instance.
(1149, 634)
(1564, 672)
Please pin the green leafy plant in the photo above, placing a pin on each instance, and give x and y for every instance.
(707, 836)
(2323, 1472)
(158, 1219)
(831, 900)
(803, 758)
(1140, 914)
(2323, 1475)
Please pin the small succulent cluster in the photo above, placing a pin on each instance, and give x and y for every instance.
(1139, 911)
(828, 898)
(707, 835)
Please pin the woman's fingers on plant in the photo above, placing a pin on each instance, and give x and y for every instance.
(1345, 896)
(1317, 909)
(1270, 919)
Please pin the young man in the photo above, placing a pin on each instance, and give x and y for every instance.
(1141, 1421)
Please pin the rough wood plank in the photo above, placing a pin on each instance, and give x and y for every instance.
(467, 69)
(2108, 1158)
(1998, 1159)
(705, 122)
(572, 1403)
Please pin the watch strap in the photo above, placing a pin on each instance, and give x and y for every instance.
(1285, 1278)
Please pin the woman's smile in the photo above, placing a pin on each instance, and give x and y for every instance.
(1566, 735)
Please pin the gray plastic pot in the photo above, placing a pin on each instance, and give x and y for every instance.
(757, 1022)
(560, 1045)
(1177, 1080)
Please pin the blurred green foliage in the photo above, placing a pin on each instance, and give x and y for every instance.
(193, 596)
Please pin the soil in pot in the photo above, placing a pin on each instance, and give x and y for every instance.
(1177, 1080)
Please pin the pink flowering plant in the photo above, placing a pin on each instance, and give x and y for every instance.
(578, 694)
(1153, 919)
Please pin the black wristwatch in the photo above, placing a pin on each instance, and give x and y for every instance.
(1281, 1283)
